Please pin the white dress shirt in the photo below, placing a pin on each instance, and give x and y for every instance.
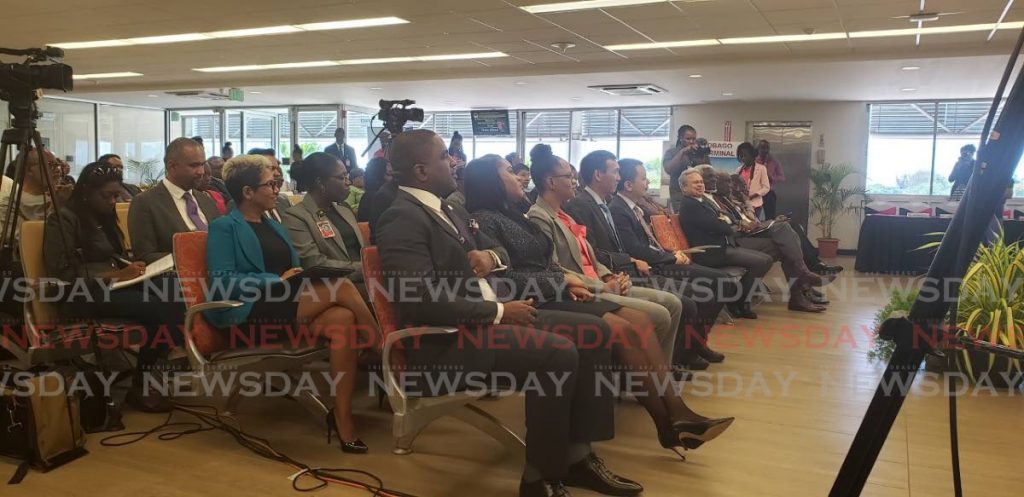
(433, 202)
(179, 201)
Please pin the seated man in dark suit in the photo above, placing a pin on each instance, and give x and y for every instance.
(154, 216)
(425, 244)
(599, 172)
(704, 224)
(708, 287)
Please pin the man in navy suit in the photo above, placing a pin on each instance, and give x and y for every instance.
(342, 150)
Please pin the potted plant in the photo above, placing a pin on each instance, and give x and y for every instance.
(149, 171)
(830, 200)
(991, 309)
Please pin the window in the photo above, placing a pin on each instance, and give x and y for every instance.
(137, 135)
(913, 146)
(68, 130)
(205, 124)
(549, 127)
(594, 130)
(642, 136)
(358, 133)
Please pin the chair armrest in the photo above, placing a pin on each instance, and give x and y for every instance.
(389, 342)
(195, 357)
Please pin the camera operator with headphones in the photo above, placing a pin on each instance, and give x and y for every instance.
(688, 152)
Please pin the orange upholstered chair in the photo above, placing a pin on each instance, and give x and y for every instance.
(413, 414)
(209, 352)
(364, 228)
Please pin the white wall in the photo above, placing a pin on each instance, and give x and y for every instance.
(843, 124)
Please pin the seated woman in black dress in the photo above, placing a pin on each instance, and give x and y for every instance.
(492, 193)
(83, 245)
(250, 259)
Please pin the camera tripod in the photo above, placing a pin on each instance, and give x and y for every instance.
(922, 331)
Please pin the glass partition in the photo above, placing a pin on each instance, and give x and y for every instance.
(137, 135)
(69, 130)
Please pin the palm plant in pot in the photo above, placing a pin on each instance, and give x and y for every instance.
(991, 309)
(830, 200)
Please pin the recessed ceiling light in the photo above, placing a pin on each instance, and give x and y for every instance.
(908, 89)
(235, 33)
(782, 38)
(376, 88)
(910, 68)
(695, 76)
(153, 96)
(521, 83)
(255, 92)
(583, 5)
(818, 37)
(726, 94)
(106, 75)
(576, 99)
(325, 63)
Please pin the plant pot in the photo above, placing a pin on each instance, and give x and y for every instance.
(828, 248)
(1003, 373)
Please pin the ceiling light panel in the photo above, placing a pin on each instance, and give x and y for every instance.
(352, 62)
(235, 33)
(584, 5)
(107, 75)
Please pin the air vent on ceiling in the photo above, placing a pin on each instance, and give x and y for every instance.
(208, 95)
(636, 90)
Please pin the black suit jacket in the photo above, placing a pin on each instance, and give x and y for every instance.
(153, 219)
(422, 257)
(633, 236)
(701, 224)
(585, 211)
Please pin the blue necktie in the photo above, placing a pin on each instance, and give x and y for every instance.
(611, 225)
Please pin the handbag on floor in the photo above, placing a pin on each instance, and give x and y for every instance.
(39, 422)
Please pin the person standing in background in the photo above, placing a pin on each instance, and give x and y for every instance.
(962, 172)
(680, 158)
(775, 176)
(342, 150)
(455, 150)
(356, 190)
(226, 152)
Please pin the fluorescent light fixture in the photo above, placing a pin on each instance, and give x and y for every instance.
(727, 94)
(908, 89)
(584, 5)
(255, 93)
(152, 96)
(376, 88)
(782, 38)
(962, 28)
(241, 33)
(106, 75)
(521, 83)
(910, 68)
(352, 24)
(695, 76)
(663, 44)
(352, 62)
(235, 33)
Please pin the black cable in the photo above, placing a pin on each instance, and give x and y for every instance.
(214, 420)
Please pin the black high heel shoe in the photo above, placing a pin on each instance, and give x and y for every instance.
(692, 434)
(354, 447)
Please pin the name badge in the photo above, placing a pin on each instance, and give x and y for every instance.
(326, 229)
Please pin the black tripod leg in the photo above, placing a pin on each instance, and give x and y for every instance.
(881, 414)
(954, 440)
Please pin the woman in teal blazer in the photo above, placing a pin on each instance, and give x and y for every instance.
(250, 259)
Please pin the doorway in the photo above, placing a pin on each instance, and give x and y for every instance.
(791, 146)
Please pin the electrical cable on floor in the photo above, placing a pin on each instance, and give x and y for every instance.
(211, 419)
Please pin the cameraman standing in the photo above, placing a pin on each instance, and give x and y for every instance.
(684, 155)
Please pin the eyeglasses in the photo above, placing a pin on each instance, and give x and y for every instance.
(274, 184)
(570, 176)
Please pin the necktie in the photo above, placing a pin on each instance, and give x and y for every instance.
(611, 225)
(651, 240)
(460, 226)
(192, 209)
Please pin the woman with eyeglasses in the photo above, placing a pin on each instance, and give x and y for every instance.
(251, 259)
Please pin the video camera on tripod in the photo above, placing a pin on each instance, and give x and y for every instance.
(20, 86)
(395, 114)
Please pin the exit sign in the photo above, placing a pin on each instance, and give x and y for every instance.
(236, 94)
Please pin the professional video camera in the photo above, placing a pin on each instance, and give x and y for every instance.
(19, 83)
(395, 113)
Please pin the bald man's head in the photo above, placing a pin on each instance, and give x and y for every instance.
(419, 159)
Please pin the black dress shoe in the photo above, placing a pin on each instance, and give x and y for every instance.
(743, 312)
(680, 373)
(543, 488)
(692, 361)
(816, 297)
(710, 355)
(591, 473)
(822, 268)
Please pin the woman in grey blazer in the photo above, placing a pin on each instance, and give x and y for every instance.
(322, 227)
